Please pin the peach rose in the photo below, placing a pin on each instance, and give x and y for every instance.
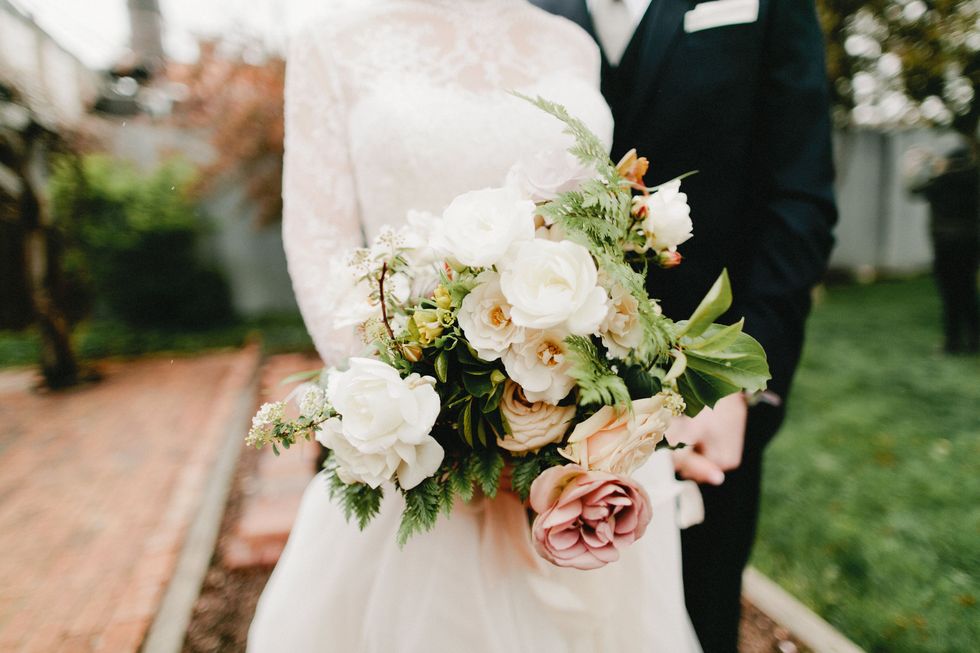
(586, 518)
(614, 441)
(532, 424)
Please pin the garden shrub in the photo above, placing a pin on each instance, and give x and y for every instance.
(136, 240)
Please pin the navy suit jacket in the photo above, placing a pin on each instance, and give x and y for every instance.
(748, 107)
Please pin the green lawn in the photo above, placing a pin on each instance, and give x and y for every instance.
(102, 339)
(871, 507)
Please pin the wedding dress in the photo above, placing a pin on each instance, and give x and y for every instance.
(403, 104)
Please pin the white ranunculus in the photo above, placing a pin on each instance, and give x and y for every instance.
(622, 330)
(553, 284)
(484, 317)
(478, 228)
(532, 425)
(545, 175)
(409, 463)
(540, 365)
(668, 217)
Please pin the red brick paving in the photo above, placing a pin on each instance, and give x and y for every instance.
(97, 489)
(274, 491)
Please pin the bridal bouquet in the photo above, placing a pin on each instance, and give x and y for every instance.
(515, 332)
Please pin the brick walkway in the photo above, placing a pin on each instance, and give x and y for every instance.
(97, 489)
(273, 492)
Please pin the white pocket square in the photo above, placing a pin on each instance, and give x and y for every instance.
(720, 13)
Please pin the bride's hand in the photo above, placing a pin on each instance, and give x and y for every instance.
(715, 437)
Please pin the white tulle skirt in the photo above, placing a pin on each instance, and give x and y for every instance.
(474, 584)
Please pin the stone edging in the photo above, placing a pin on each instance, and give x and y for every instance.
(169, 627)
(788, 612)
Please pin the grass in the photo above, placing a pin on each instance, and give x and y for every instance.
(105, 339)
(871, 499)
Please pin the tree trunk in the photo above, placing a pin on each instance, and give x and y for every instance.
(42, 256)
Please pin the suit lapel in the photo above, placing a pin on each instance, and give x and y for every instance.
(657, 35)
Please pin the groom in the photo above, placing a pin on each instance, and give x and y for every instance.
(735, 89)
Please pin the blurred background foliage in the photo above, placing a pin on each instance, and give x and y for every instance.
(135, 243)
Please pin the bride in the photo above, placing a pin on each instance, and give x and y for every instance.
(395, 105)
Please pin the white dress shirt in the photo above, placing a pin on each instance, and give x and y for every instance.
(615, 22)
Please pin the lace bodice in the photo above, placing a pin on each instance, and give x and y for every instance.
(394, 105)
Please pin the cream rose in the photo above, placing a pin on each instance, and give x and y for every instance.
(485, 319)
(622, 330)
(668, 217)
(553, 284)
(409, 463)
(533, 424)
(478, 228)
(540, 365)
(546, 175)
(384, 425)
(614, 441)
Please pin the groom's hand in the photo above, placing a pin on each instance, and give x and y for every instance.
(715, 440)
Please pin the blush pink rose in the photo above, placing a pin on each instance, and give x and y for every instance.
(585, 518)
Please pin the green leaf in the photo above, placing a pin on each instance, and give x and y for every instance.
(487, 468)
(721, 371)
(421, 511)
(715, 303)
(442, 366)
(597, 383)
(700, 390)
(478, 384)
(717, 338)
(742, 364)
(640, 383)
(465, 426)
(357, 500)
(525, 470)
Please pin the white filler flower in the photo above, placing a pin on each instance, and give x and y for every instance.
(478, 228)
(551, 284)
(385, 425)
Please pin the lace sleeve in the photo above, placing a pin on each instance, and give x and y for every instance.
(321, 220)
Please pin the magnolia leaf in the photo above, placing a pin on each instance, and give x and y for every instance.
(700, 390)
(715, 303)
(742, 364)
(717, 338)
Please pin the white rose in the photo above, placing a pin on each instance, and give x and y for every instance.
(540, 365)
(384, 426)
(668, 217)
(551, 284)
(546, 175)
(409, 463)
(484, 317)
(622, 330)
(614, 441)
(379, 408)
(479, 227)
(532, 424)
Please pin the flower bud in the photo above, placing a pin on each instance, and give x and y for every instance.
(442, 298)
(668, 260)
(429, 325)
(412, 353)
(632, 167)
